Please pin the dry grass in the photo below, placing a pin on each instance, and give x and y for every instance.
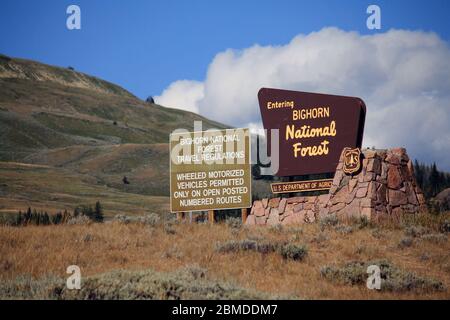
(99, 248)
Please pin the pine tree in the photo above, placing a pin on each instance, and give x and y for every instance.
(45, 219)
(28, 216)
(88, 212)
(430, 179)
(19, 220)
(98, 212)
(66, 216)
(434, 180)
(418, 173)
(54, 218)
(441, 181)
(35, 217)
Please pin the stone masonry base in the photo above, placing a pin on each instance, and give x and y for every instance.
(385, 187)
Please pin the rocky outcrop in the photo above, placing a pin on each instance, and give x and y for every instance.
(385, 187)
(442, 200)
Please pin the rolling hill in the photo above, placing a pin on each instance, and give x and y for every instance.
(67, 138)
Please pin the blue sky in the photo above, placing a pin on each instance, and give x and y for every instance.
(146, 45)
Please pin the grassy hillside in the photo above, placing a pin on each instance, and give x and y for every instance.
(86, 132)
(53, 189)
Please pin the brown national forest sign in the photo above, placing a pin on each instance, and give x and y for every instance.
(313, 128)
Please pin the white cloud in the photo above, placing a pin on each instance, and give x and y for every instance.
(403, 76)
(182, 94)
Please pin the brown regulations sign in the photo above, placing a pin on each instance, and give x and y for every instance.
(210, 170)
(313, 128)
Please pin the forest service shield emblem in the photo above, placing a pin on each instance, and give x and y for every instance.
(352, 160)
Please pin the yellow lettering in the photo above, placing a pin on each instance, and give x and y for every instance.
(289, 132)
(311, 151)
(313, 113)
(308, 132)
(296, 149)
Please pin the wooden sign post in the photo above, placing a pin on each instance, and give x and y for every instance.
(180, 216)
(244, 214)
(211, 216)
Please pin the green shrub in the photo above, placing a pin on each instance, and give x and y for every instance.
(435, 238)
(121, 218)
(328, 221)
(360, 222)
(405, 243)
(295, 230)
(425, 256)
(392, 278)
(8, 220)
(343, 229)
(416, 231)
(350, 274)
(187, 283)
(360, 249)
(233, 223)
(320, 238)
(88, 237)
(80, 220)
(24, 287)
(445, 226)
(168, 228)
(151, 219)
(173, 252)
(246, 245)
(378, 233)
(193, 271)
(293, 252)
(288, 251)
(277, 228)
(363, 222)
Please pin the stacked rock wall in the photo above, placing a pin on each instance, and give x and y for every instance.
(287, 210)
(385, 187)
